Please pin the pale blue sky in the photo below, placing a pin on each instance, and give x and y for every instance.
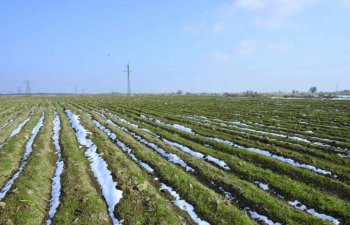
(210, 46)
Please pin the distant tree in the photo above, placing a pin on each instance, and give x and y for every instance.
(294, 92)
(313, 90)
(179, 92)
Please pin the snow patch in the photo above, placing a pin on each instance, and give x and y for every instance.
(17, 130)
(183, 205)
(262, 186)
(169, 156)
(7, 123)
(198, 155)
(261, 218)
(124, 148)
(29, 148)
(111, 194)
(56, 180)
(279, 158)
(343, 156)
(176, 126)
(296, 204)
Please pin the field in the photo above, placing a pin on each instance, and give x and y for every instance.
(174, 160)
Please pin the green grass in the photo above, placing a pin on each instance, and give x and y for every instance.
(142, 202)
(27, 203)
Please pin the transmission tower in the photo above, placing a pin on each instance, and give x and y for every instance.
(27, 87)
(128, 74)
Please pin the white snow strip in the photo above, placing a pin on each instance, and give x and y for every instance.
(125, 148)
(102, 115)
(271, 133)
(150, 132)
(321, 144)
(252, 214)
(239, 123)
(169, 156)
(17, 130)
(128, 150)
(56, 180)
(125, 121)
(181, 147)
(270, 155)
(7, 123)
(198, 155)
(195, 117)
(183, 128)
(111, 194)
(184, 149)
(299, 139)
(24, 160)
(343, 156)
(227, 194)
(261, 218)
(296, 204)
(183, 205)
(176, 126)
(262, 186)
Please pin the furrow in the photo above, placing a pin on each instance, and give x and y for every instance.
(111, 194)
(29, 148)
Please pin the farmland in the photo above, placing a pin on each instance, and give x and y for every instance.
(174, 160)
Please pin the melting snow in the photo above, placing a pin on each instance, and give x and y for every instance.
(299, 139)
(273, 134)
(56, 184)
(261, 218)
(296, 204)
(123, 146)
(173, 157)
(185, 149)
(252, 214)
(180, 127)
(343, 156)
(270, 155)
(262, 186)
(24, 160)
(183, 205)
(169, 156)
(17, 130)
(198, 155)
(176, 126)
(99, 167)
(7, 123)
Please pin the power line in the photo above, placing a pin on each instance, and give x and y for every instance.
(128, 77)
(27, 87)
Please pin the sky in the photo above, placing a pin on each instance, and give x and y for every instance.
(194, 46)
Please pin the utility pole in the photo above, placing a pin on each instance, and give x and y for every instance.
(27, 87)
(76, 89)
(336, 89)
(128, 74)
